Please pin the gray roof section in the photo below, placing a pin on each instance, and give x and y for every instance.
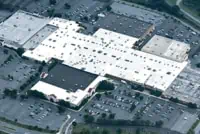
(21, 26)
(40, 36)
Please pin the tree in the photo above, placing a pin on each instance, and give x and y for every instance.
(95, 132)
(5, 51)
(192, 105)
(175, 9)
(50, 12)
(20, 51)
(85, 18)
(105, 131)
(36, 94)
(95, 28)
(119, 131)
(159, 123)
(52, 2)
(103, 115)
(40, 69)
(141, 97)
(111, 116)
(109, 8)
(58, 15)
(22, 96)
(105, 85)
(61, 109)
(43, 63)
(98, 96)
(64, 103)
(156, 93)
(138, 131)
(88, 118)
(47, 127)
(137, 94)
(67, 6)
(74, 124)
(10, 93)
(176, 100)
(198, 65)
(85, 131)
(133, 106)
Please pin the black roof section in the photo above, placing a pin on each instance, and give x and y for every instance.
(69, 78)
(124, 25)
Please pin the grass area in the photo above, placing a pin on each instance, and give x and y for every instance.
(191, 130)
(171, 2)
(34, 128)
(9, 128)
(1, 132)
(80, 128)
(191, 10)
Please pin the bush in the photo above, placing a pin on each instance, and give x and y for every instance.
(50, 12)
(67, 6)
(109, 8)
(20, 51)
(64, 103)
(36, 94)
(58, 15)
(176, 100)
(137, 95)
(198, 65)
(10, 93)
(74, 123)
(105, 131)
(111, 116)
(5, 51)
(61, 109)
(88, 118)
(192, 105)
(98, 96)
(103, 115)
(132, 107)
(52, 2)
(159, 123)
(156, 93)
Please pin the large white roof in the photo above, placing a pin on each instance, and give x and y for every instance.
(106, 52)
(73, 97)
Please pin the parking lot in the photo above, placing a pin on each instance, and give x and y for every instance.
(14, 71)
(176, 30)
(76, 10)
(84, 8)
(147, 107)
(32, 112)
(136, 11)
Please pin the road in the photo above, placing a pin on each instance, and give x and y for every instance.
(68, 130)
(14, 129)
(62, 128)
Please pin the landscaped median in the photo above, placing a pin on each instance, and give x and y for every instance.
(1, 132)
(191, 130)
(33, 128)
